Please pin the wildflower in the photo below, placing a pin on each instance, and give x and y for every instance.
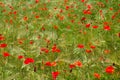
(61, 10)
(55, 49)
(55, 27)
(88, 51)
(31, 42)
(48, 0)
(72, 21)
(45, 50)
(96, 75)
(88, 25)
(83, 1)
(6, 54)
(115, 14)
(89, 6)
(61, 18)
(72, 66)
(21, 41)
(109, 69)
(87, 12)
(67, 7)
(95, 27)
(111, 8)
(80, 46)
(78, 63)
(20, 57)
(2, 38)
(50, 64)
(15, 12)
(37, 16)
(43, 28)
(106, 51)
(92, 46)
(68, 27)
(101, 14)
(25, 18)
(36, 1)
(83, 19)
(55, 74)
(107, 28)
(3, 45)
(119, 34)
(28, 61)
(11, 21)
(65, 1)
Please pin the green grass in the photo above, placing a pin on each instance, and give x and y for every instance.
(66, 36)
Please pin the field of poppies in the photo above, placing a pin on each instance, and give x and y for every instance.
(59, 39)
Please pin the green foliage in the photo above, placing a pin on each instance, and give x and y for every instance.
(42, 25)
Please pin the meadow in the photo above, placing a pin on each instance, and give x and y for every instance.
(59, 39)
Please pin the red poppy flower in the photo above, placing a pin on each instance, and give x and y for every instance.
(36, 1)
(87, 12)
(20, 57)
(53, 63)
(67, 7)
(115, 14)
(61, 10)
(61, 18)
(72, 21)
(92, 46)
(105, 23)
(28, 61)
(65, 1)
(68, 27)
(95, 27)
(72, 66)
(43, 28)
(50, 64)
(109, 69)
(107, 28)
(20, 41)
(55, 74)
(15, 12)
(106, 51)
(6, 54)
(45, 50)
(48, 0)
(119, 34)
(82, 0)
(80, 46)
(111, 8)
(78, 63)
(55, 27)
(37, 16)
(31, 42)
(3, 45)
(83, 18)
(96, 75)
(89, 6)
(2, 37)
(88, 51)
(87, 25)
(25, 18)
(55, 49)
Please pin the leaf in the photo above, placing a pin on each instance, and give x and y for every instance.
(12, 76)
